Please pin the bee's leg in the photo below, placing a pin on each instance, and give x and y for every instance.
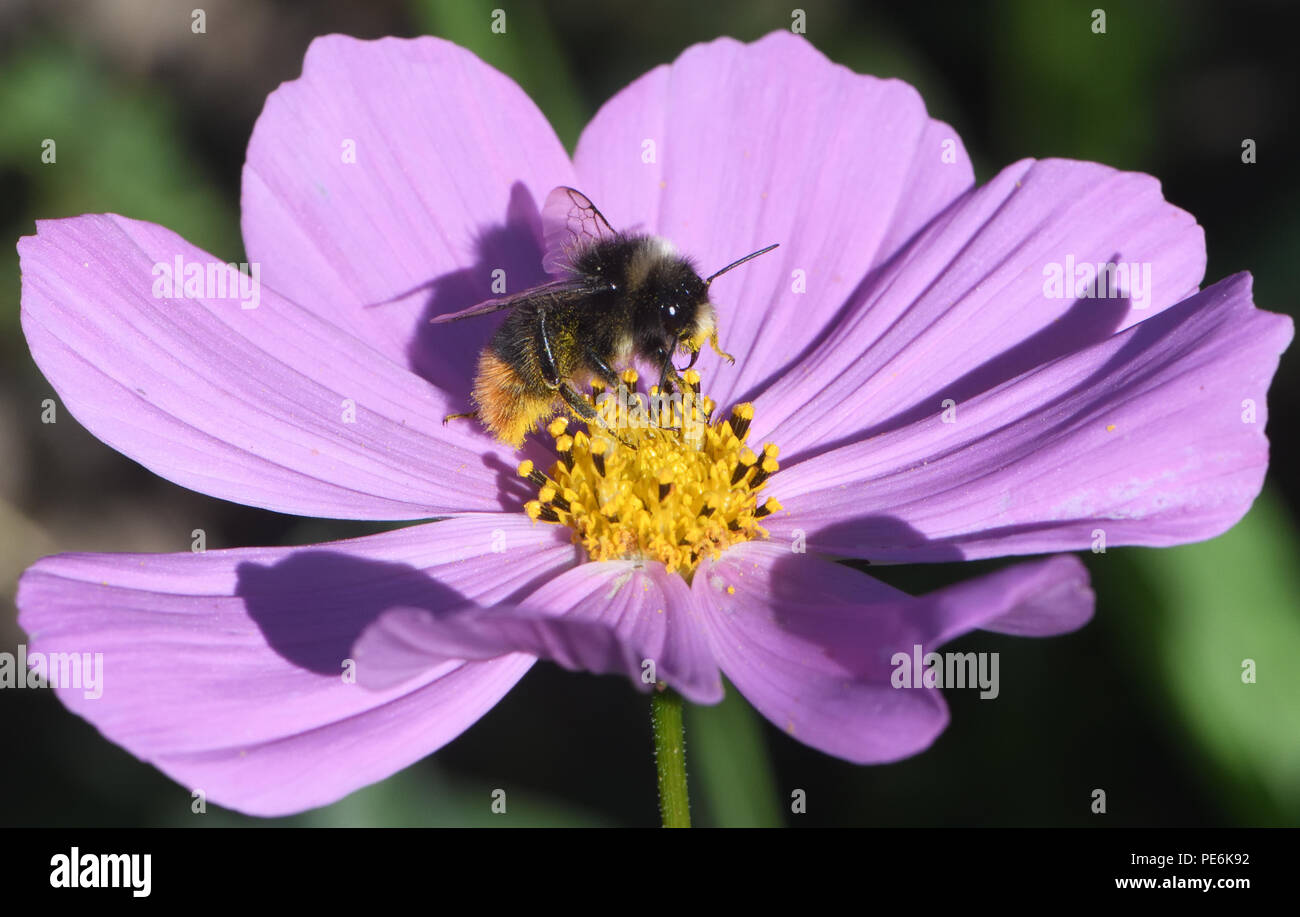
(717, 348)
(579, 405)
(469, 414)
(611, 378)
(599, 365)
(668, 375)
(551, 376)
(545, 356)
(583, 408)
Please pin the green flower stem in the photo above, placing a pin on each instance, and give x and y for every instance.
(670, 758)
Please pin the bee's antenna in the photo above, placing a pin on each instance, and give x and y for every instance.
(762, 251)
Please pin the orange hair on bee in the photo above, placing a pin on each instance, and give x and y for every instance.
(507, 406)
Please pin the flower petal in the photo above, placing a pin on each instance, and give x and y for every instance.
(649, 608)
(966, 306)
(1040, 598)
(226, 669)
(811, 644)
(1154, 436)
(617, 617)
(388, 183)
(734, 147)
(267, 406)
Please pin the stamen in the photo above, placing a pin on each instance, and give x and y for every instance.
(676, 490)
(767, 468)
(526, 470)
(741, 415)
(564, 446)
(665, 483)
(536, 511)
(747, 460)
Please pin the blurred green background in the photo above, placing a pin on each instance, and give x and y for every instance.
(1146, 703)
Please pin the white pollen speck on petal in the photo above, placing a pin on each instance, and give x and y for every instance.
(619, 583)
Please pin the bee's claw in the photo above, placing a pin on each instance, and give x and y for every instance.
(717, 348)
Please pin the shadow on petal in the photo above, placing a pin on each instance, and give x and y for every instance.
(447, 355)
(312, 606)
(868, 539)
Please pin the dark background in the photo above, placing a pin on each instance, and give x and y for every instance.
(1145, 703)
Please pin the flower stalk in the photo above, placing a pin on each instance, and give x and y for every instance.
(670, 758)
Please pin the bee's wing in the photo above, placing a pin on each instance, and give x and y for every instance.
(545, 292)
(570, 222)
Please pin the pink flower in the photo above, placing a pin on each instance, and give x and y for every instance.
(934, 396)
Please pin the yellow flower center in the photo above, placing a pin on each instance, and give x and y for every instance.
(658, 478)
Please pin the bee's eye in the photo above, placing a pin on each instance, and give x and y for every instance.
(675, 317)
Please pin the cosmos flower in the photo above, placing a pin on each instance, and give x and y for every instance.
(937, 376)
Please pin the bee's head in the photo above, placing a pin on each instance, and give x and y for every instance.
(688, 316)
(685, 313)
(674, 305)
(679, 314)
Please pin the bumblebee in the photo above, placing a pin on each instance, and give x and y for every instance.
(618, 297)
